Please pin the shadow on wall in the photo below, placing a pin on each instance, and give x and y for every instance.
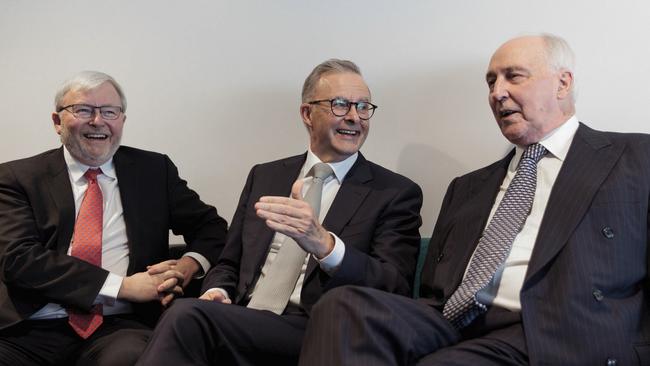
(438, 125)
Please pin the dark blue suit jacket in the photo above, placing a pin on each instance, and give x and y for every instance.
(585, 296)
(376, 213)
(37, 216)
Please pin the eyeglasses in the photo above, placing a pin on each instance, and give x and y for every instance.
(341, 107)
(86, 111)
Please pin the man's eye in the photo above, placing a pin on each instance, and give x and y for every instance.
(362, 106)
(83, 110)
(342, 103)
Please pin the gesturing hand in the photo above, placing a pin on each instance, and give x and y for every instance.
(294, 217)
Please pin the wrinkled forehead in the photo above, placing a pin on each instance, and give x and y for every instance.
(346, 84)
(105, 90)
(524, 52)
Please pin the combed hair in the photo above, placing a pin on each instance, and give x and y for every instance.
(84, 81)
(331, 65)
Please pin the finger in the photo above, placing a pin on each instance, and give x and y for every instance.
(275, 199)
(285, 229)
(167, 299)
(172, 273)
(296, 189)
(178, 291)
(279, 208)
(161, 267)
(213, 295)
(168, 284)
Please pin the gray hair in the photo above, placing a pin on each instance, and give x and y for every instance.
(84, 81)
(560, 56)
(332, 65)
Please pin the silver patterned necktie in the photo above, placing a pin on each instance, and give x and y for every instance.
(275, 288)
(495, 244)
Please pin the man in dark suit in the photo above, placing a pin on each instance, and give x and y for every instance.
(368, 237)
(84, 237)
(571, 284)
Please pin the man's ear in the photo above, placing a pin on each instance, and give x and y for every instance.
(566, 84)
(305, 114)
(56, 119)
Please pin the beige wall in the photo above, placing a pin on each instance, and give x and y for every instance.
(216, 84)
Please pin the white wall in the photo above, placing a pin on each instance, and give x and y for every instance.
(215, 84)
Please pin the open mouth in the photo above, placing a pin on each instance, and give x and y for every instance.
(506, 112)
(347, 132)
(95, 136)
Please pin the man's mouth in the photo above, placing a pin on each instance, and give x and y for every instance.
(95, 136)
(506, 112)
(347, 132)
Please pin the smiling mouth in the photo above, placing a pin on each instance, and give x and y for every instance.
(95, 136)
(347, 132)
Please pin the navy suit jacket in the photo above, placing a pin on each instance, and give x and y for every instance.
(37, 216)
(585, 295)
(376, 213)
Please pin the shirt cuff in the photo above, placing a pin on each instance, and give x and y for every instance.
(331, 262)
(108, 292)
(203, 262)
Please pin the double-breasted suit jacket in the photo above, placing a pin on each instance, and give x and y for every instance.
(585, 295)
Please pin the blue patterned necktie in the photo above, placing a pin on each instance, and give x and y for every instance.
(495, 244)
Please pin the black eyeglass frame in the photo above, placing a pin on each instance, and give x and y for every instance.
(94, 108)
(331, 102)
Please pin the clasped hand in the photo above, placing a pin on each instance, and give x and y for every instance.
(162, 281)
(295, 218)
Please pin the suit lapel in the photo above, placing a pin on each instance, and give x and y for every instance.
(127, 178)
(61, 193)
(473, 216)
(590, 159)
(277, 185)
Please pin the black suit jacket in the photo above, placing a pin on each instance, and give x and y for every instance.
(585, 295)
(37, 216)
(376, 213)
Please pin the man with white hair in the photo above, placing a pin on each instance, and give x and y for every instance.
(540, 258)
(84, 233)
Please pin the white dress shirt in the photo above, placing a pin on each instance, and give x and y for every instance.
(504, 288)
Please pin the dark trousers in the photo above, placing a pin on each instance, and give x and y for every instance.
(119, 341)
(201, 332)
(363, 326)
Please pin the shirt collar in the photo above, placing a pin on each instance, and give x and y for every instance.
(556, 142)
(77, 169)
(340, 168)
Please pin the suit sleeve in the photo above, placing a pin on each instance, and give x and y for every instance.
(28, 262)
(389, 262)
(202, 228)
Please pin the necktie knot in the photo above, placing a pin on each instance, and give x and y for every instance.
(534, 152)
(322, 171)
(91, 174)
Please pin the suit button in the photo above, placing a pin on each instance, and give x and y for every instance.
(611, 362)
(440, 257)
(608, 232)
(598, 295)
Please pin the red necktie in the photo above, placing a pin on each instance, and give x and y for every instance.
(87, 245)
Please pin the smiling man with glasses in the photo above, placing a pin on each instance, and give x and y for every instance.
(304, 225)
(84, 233)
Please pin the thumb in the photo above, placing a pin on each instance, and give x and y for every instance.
(296, 189)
